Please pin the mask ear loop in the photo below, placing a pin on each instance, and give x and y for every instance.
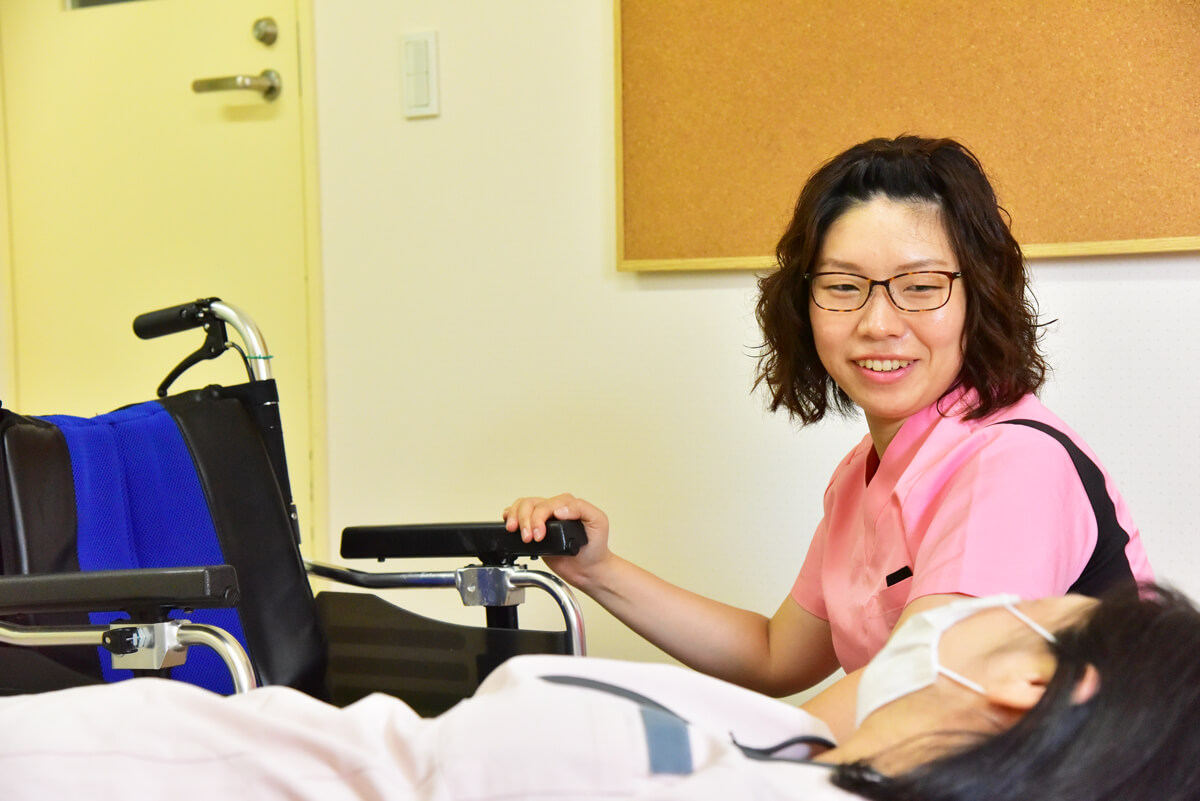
(977, 687)
(1033, 624)
(958, 678)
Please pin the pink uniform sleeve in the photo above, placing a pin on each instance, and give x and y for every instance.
(1008, 515)
(807, 589)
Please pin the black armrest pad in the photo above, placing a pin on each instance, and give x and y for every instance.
(490, 542)
(126, 590)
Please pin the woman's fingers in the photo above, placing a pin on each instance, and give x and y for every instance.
(517, 516)
(568, 507)
(545, 509)
(512, 513)
(529, 515)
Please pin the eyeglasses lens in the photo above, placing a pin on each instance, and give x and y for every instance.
(909, 292)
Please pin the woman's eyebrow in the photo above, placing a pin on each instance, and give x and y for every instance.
(908, 267)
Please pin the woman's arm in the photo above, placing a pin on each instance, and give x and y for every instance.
(786, 653)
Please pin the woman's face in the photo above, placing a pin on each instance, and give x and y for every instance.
(996, 650)
(891, 363)
(970, 644)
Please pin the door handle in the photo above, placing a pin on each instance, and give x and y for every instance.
(269, 83)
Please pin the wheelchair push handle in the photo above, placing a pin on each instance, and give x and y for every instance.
(212, 315)
(172, 320)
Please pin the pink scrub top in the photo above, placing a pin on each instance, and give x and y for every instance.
(955, 506)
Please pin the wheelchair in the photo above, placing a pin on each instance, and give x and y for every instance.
(129, 537)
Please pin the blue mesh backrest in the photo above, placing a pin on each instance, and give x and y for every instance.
(140, 504)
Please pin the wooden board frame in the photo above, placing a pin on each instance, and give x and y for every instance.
(1145, 213)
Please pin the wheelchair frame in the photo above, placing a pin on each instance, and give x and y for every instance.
(148, 641)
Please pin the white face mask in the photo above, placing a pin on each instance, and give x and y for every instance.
(909, 660)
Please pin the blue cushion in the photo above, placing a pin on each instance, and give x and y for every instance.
(140, 504)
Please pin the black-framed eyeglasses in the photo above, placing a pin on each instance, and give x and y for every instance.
(925, 290)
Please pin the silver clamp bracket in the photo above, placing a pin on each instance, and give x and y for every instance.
(505, 586)
(153, 646)
(488, 586)
(145, 646)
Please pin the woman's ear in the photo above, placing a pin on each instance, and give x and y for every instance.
(1087, 686)
(1020, 680)
(1016, 693)
(1019, 690)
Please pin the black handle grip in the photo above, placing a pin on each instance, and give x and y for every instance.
(173, 320)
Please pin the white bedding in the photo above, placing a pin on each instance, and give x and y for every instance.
(519, 737)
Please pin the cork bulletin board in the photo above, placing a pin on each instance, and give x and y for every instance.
(1086, 114)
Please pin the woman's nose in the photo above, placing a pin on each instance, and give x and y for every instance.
(880, 317)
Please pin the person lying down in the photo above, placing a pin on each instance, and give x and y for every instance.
(992, 698)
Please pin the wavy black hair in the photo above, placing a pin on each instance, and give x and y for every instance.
(1001, 361)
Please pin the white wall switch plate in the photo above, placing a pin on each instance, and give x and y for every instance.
(419, 68)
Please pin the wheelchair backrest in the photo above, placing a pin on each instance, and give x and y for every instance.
(188, 480)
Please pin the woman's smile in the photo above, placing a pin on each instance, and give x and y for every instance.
(883, 365)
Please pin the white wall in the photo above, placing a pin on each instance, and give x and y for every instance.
(1122, 349)
(481, 345)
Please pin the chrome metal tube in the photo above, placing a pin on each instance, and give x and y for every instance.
(380, 581)
(519, 577)
(558, 588)
(12, 634)
(256, 345)
(228, 648)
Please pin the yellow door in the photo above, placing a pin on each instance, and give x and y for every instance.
(129, 192)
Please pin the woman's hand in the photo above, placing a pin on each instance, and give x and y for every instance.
(529, 516)
(781, 655)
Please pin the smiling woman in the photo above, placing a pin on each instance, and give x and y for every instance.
(937, 500)
(901, 292)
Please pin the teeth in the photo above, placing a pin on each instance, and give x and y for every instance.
(882, 365)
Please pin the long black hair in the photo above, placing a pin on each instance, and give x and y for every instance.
(1136, 739)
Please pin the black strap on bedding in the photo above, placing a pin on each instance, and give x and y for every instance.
(612, 689)
(1108, 566)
